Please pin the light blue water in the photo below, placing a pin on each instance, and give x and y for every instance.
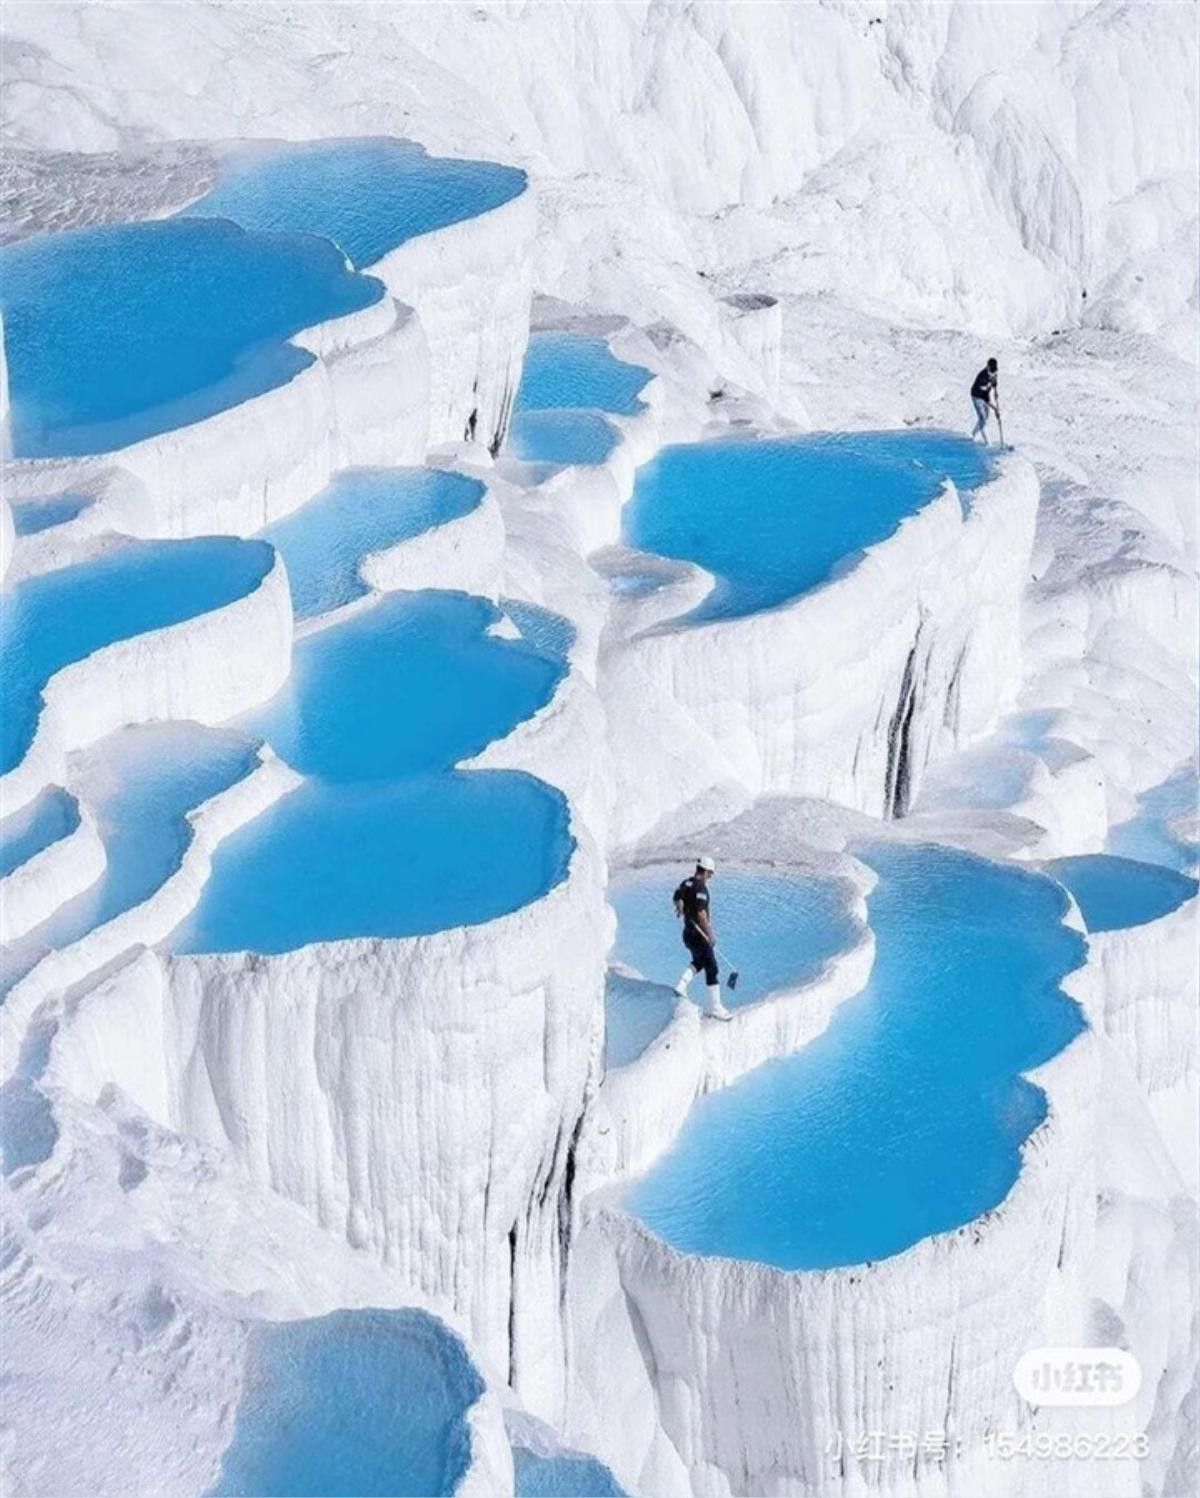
(33, 515)
(353, 1403)
(572, 369)
(362, 511)
(1148, 836)
(46, 819)
(367, 195)
(635, 1012)
(153, 776)
(906, 1117)
(412, 684)
(565, 1475)
(49, 621)
(774, 518)
(551, 633)
(386, 842)
(1114, 893)
(561, 437)
(120, 332)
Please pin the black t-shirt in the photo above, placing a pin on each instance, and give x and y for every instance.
(985, 383)
(693, 896)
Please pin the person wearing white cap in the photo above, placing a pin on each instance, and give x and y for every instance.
(693, 905)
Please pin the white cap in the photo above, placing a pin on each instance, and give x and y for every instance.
(707, 864)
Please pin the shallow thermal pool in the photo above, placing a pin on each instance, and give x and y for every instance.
(568, 381)
(384, 838)
(363, 1402)
(48, 818)
(559, 438)
(363, 510)
(906, 1117)
(1153, 834)
(781, 930)
(1114, 893)
(772, 518)
(49, 621)
(367, 195)
(124, 331)
(563, 1474)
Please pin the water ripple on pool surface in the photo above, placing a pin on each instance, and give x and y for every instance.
(52, 620)
(367, 195)
(125, 331)
(906, 1117)
(364, 510)
(364, 1402)
(385, 840)
(772, 518)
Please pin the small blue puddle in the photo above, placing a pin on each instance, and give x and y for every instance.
(48, 622)
(357, 1402)
(781, 930)
(772, 518)
(118, 333)
(1148, 837)
(385, 840)
(364, 510)
(154, 775)
(1115, 893)
(906, 1117)
(547, 631)
(573, 369)
(48, 818)
(566, 1474)
(561, 438)
(366, 195)
(33, 515)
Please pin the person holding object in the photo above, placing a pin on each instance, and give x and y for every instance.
(985, 393)
(694, 906)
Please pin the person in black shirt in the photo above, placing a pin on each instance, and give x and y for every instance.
(985, 393)
(693, 905)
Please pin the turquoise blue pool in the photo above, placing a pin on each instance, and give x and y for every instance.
(773, 518)
(363, 510)
(1115, 893)
(356, 1402)
(121, 332)
(1150, 836)
(385, 839)
(153, 776)
(577, 370)
(52, 620)
(561, 438)
(367, 195)
(47, 818)
(33, 515)
(907, 1116)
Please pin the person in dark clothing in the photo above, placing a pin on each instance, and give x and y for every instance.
(985, 393)
(693, 906)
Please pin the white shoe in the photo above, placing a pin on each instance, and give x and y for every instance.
(685, 980)
(713, 1008)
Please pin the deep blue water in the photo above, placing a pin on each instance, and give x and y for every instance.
(561, 437)
(773, 518)
(1149, 837)
(384, 840)
(776, 931)
(362, 511)
(124, 331)
(564, 1475)
(1114, 893)
(353, 1403)
(46, 819)
(906, 1117)
(49, 621)
(154, 776)
(573, 369)
(366, 195)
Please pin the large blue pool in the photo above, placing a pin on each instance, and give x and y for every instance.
(49, 621)
(775, 930)
(366, 195)
(149, 779)
(356, 1402)
(1115, 893)
(906, 1117)
(772, 518)
(124, 331)
(385, 839)
(363, 510)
